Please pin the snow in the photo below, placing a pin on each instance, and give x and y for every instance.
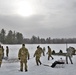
(12, 68)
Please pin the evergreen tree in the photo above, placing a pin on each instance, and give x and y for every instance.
(14, 38)
(19, 38)
(9, 38)
(2, 36)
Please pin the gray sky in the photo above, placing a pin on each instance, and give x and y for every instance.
(44, 18)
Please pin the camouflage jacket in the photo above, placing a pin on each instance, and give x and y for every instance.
(37, 53)
(23, 53)
(69, 51)
(1, 54)
(49, 52)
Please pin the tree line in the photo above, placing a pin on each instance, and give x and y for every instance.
(13, 37)
(38, 40)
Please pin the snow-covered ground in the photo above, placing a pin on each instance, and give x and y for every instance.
(11, 67)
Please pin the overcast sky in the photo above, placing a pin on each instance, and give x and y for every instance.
(44, 18)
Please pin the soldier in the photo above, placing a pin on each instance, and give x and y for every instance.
(23, 54)
(43, 51)
(69, 54)
(61, 61)
(7, 51)
(49, 53)
(1, 54)
(38, 55)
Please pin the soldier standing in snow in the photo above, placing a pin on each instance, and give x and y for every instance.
(7, 51)
(37, 54)
(49, 53)
(69, 55)
(23, 54)
(3, 52)
(1, 55)
(43, 51)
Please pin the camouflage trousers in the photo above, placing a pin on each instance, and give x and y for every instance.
(49, 57)
(0, 63)
(69, 59)
(23, 65)
(38, 60)
(7, 54)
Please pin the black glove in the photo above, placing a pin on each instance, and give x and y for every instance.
(19, 58)
(34, 56)
(28, 58)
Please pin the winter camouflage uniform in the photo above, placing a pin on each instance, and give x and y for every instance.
(1, 54)
(7, 51)
(69, 54)
(37, 54)
(41, 50)
(23, 55)
(49, 53)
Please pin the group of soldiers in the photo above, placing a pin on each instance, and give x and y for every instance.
(23, 54)
(2, 53)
